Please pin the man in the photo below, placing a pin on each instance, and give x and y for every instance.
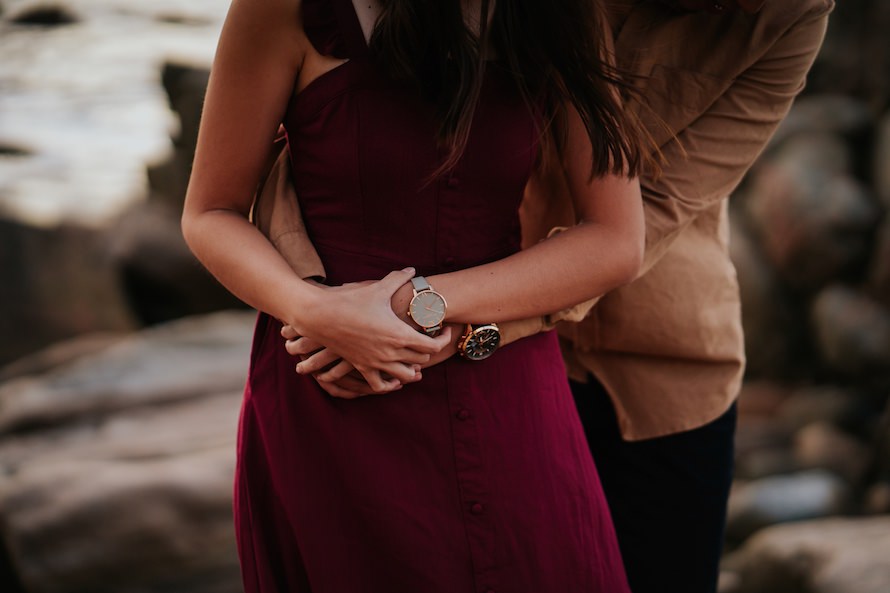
(656, 365)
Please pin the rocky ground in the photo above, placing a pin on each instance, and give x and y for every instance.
(117, 446)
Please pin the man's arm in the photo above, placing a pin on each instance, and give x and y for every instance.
(699, 171)
(276, 213)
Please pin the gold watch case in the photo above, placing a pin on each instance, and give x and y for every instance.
(427, 309)
(480, 341)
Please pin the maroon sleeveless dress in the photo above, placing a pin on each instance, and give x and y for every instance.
(477, 478)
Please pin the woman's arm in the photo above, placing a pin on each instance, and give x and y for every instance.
(262, 52)
(601, 253)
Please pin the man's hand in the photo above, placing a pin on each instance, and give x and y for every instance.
(338, 377)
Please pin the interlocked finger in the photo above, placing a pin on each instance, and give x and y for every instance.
(378, 383)
(317, 362)
(404, 373)
(335, 390)
(335, 373)
(301, 346)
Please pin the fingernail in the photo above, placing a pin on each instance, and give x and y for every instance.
(300, 368)
(409, 270)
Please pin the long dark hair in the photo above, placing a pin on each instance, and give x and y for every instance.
(555, 50)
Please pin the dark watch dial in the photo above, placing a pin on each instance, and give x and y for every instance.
(482, 343)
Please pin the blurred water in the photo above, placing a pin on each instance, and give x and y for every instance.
(82, 110)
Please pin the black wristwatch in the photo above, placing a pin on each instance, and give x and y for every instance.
(479, 341)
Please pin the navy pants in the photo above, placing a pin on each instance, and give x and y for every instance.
(667, 495)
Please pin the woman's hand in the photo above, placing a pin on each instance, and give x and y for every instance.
(356, 323)
(337, 376)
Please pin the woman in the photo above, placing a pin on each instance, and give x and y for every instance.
(411, 150)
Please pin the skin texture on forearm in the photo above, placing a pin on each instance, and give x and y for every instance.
(248, 265)
(262, 52)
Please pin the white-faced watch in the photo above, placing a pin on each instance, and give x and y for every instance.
(427, 307)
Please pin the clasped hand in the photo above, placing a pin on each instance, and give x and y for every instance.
(354, 344)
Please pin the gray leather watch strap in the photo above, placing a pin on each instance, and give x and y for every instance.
(420, 284)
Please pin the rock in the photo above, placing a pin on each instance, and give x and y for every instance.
(825, 556)
(185, 85)
(834, 114)
(167, 363)
(830, 404)
(855, 58)
(879, 270)
(59, 354)
(821, 445)
(881, 160)
(766, 462)
(133, 447)
(160, 277)
(780, 499)
(761, 399)
(44, 15)
(814, 219)
(852, 331)
(881, 454)
(772, 330)
(877, 499)
(55, 285)
(90, 112)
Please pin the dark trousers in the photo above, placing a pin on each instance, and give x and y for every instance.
(667, 495)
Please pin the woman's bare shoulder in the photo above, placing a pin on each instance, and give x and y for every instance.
(268, 25)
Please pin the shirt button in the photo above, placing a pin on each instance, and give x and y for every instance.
(477, 509)
(463, 415)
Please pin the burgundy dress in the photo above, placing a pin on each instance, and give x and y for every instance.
(476, 479)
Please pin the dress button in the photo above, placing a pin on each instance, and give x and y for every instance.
(463, 414)
(448, 262)
(453, 182)
(477, 509)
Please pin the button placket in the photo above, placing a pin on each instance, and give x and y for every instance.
(472, 481)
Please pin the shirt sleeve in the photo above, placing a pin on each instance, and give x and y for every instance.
(707, 159)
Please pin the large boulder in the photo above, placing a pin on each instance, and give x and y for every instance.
(879, 268)
(116, 467)
(773, 327)
(852, 331)
(813, 217)
(825, 556)
(55, 284)
(780, 499)
(160, 278)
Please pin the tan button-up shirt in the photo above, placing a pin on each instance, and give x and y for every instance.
(668, 347)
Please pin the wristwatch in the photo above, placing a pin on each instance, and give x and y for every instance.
(427, 307)
(479, 341)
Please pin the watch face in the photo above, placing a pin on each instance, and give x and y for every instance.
(482, 343)
(427, 308)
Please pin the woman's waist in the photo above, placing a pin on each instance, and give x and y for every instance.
(358, 261)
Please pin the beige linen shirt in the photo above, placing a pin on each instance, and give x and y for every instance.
(668, 347)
